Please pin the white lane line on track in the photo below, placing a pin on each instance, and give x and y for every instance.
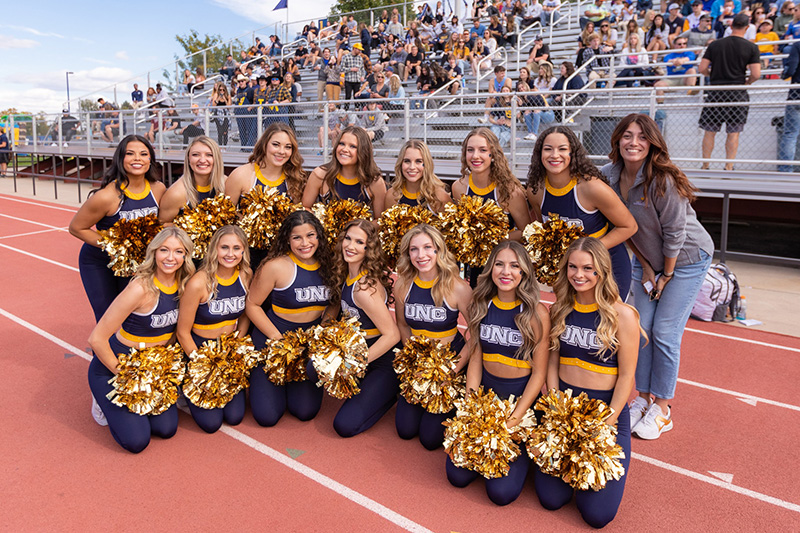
(718, 483)
(46, 260)
(741, 339)
(30, 221)
(48, 206)
(739, 395)
(327, 482)
(32, 233)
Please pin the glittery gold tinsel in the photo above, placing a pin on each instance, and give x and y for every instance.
(261, 214)
(219, 369)
(427, 372)
(546, 244)
(574, 443)
(200, 222)
(472, 228)
(337, 214)
(396, 221)
(126, 243)
(478, 437)
(339, 354)
(285, 359)
(148, 379)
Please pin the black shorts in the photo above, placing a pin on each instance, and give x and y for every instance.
(5, 157)
(734, 117)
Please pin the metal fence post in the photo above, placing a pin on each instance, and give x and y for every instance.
(60, 136)
(89, 132)
(160, 134)
(205, 64)
(513, 140)
(260, 125)
(35, 135)
(208, 121)
(407, 110)
(325, 133)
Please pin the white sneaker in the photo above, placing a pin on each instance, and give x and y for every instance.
(97, 413)
(653, 424)
(54, 144)
(530, 137)
(637, 408)
(483, 120)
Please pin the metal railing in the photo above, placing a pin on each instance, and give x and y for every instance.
(499, 51)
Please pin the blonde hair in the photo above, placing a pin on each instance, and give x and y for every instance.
(429, 183)
(147, 270)
(394, 83)
(445, 262)
(217, 171)
(211, 262)
(548, 72)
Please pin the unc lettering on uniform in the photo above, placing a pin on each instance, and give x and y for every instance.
(316, 293)
(501, 335)
(582, 337)
(352, 311)
(170, 318)
(575, 222)
(138, 213)
(425, 312)
(226, 306)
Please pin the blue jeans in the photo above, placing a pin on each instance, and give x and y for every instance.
(534, 118)
(787, 144)
(664, 321)
(503, 133)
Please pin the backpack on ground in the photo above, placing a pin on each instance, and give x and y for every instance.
(718, 299)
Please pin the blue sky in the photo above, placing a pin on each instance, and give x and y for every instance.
(103, 43)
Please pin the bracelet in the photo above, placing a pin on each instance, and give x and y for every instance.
(664, 274)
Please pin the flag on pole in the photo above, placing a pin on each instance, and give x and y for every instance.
(283, 4)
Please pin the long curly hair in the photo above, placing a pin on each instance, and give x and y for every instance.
(147, 270)
(374, 262)
(580, 166)
(527, 293)
(292, 168)
(217, 171)
(445, 262)
(658, 167)
(429, 182)
(606, 294)
(323, 255)
(367, 170)
(499, 171)
(116, 171)
(211, 262)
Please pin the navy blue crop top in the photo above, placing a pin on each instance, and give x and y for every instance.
(260, 181)
(159, 324)
(132, 206)
(500, 337)
(579, 344)
(306, 292)
(349, 306)
(225, 308)
(564, 202)
(424, 317)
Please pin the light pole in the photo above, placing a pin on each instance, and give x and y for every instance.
(68, 73)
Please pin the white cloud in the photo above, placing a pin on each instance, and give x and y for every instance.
(123, 55)
(81, 82)
(35, 100)
(34, 31)
(8, 42)
(98, 61)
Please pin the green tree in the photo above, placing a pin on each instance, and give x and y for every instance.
(216, 49)
(348, 6)
(88, 104)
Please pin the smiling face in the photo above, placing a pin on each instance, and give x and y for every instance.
(201, 159)
(506, 271)
(170, 256)
(556, 155)
(230, 251)
(303, 241)
(279, 149)
(354, 245)
(347, 150)
(478, 154)
(137, 159)
(422, 253)
(633, 146)
(582, 274)
(412, 165)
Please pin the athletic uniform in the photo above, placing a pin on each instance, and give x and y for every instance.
(204, 193)
(348, 189)
(408, 198)
(565, 203)
(487, 193)
(223, 309)
(306, 292)
(99, 282)
(132, 431)
(579, 347)
(500, 338)
(426, 319)
(257, 255)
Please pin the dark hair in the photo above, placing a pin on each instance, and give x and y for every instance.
(570, 68)
(116, 172)
(740, 21)
(292, 168)
(579, 164)
(374, 262)
(282, 245)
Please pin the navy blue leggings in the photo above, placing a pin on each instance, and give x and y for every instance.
(99, 282)
(210, 420)
(597, 508)
(412, 420)
(506, 489)
(621, 268)
(131, 431)
(268, 401)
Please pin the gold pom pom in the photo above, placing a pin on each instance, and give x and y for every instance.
(337, 214)
(546, 244)
(472, 228)
(573, 441)
(126, 243)
(427, 372)
(200, 222)
(219, 369)
(478, 437)
(261, 213)
(285, 359)
(396, 221)
(148, 379)
(339, 354)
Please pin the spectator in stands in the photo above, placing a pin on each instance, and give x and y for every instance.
(608, 35)
(365, 35)
(535, 111)
(354, 73)
(69, 126)
(634, 57)
(726, 62)
(724, 17)
(718, 8)
(398, 60)
(314, 53)
(228, 67)
(496, 30)
(657, 37)
(413, 62)
(539, 53)
(245, 122)
(674, 21)
(301, 54)
(596, 13)
(454, 26)
(200, 78)
(531, 13)
(279, 96)
(454, 72)
(693, 19)
(220, 99)
(136, 97)
(338, 119)
(550, 13)
(757, 16)
(395, 28)
(319, 66)
(633, 27)
(187, 83)
(786, 16)
(396, 93)
(274, 46)
(574, 83)
(352, 25)
(545, 79)
(787, 145)
(500, 116)
(621, 12)
(333, 79)
(150, 96)
(192, 129)
(793, 27)
(476, 31)
(678, 65)
(701, 35)
(490, 43)
(750, 32)
(373, 120)
(379, 89)
(478, 57)
(290, 66)
(378, 36)
(496, 85)
(596, 67)
(169, 129)
(765, 34)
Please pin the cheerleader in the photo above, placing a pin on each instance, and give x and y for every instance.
(290, 291)
(131, 188)
(508, 349)
(363, 289)
(351, 174)
(144, 314)
(429, 296)
(601, 364)
(562, 180)
(203, 177)
(213, 305)
(414, 181)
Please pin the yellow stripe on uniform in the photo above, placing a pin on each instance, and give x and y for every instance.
(279, 309)
(434, 334)
(136, 338)
(503, 360)
(574, 361)
(214, 326)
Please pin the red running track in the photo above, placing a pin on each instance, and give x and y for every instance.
(63, 472)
